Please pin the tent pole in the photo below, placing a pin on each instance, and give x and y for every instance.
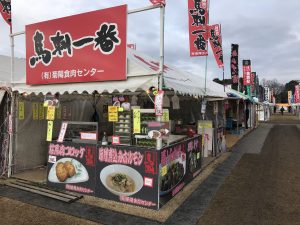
(11, 135)
(237, 116)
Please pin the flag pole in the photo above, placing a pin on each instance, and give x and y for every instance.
(222, 57)
(206, 49)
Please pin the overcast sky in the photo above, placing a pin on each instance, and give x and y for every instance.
(268, 32)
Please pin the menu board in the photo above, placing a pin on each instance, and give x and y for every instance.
(71, 167)
(127, 174)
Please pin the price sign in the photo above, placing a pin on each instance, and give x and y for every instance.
(41, 111)
(35, 111)
(166, 117)
(136, 121)
(21, 110)
(51, 113)
(113, 113)
(164, 170)
(112, 109)
(49, 130)
(62, 132)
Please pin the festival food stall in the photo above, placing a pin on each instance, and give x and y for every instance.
(130, 152)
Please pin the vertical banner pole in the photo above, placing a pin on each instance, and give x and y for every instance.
(161, 62)
(206, 48)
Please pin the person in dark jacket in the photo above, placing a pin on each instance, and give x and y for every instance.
(247, 112)
(281, 110)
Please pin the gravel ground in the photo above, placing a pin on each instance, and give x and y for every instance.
(14, 212)
(263, 188)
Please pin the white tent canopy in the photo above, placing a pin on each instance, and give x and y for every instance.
(142, 73)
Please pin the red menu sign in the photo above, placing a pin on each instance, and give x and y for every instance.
(80, 48)
(198, 19)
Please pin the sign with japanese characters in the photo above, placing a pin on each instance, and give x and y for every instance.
(215, 39)
(21, 107)
(234, 63)
(5, 10)
(247, 72)
(80, 48)
(159, 103)
(136, 121)
(289, 97)
(253, 77)
(128, 174)
(297, 94)
(198, 20)
(49, 130)
(71, 167)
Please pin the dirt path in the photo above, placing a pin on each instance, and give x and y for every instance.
(263, 188)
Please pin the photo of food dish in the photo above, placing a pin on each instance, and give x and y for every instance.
(121, 179)
(175, 173)
(154, 134)
(120, 182)
(68, 170)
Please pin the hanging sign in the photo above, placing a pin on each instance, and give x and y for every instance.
(49, 130)
(113, 113)
(198, 19)
(136, 121)
(62, 132)
(58, 113)
(21, 110)
(159, 103)
(247, 72)
(166, 117)
(55, 49)
(35, 111)
(215, 40)
(216, 108)
(50, 113)
(41, 111)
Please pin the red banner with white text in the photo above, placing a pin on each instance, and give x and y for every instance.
(247, 72)
(198, 20)
(296, 94)
(5, 9)
(215, 39)
(80, 48)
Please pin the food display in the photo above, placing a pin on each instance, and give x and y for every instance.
(120, 182)
(175, 173)
(122, 128)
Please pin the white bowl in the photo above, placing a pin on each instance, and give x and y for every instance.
(117, 168)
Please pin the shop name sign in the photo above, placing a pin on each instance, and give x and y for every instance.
(82, 48)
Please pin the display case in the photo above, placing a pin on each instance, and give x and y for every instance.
(123, 128)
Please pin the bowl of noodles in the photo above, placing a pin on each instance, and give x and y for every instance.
(121, 179)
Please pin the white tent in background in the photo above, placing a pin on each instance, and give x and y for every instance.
(142, 73)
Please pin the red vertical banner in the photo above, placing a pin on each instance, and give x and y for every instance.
(215, 39)
(198, 20)
(5, 9)
(296, 94)
(158, 2)
(252, 80)
(234, 63)
(247, 72)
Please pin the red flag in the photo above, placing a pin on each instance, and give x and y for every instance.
(247, 72)
(198, 20)
(215, 40)
(5, 8)
(158, 2)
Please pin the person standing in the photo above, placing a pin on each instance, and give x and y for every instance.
(281, 110)
(247, 112)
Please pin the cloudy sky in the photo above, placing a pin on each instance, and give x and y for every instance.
(268, 32)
